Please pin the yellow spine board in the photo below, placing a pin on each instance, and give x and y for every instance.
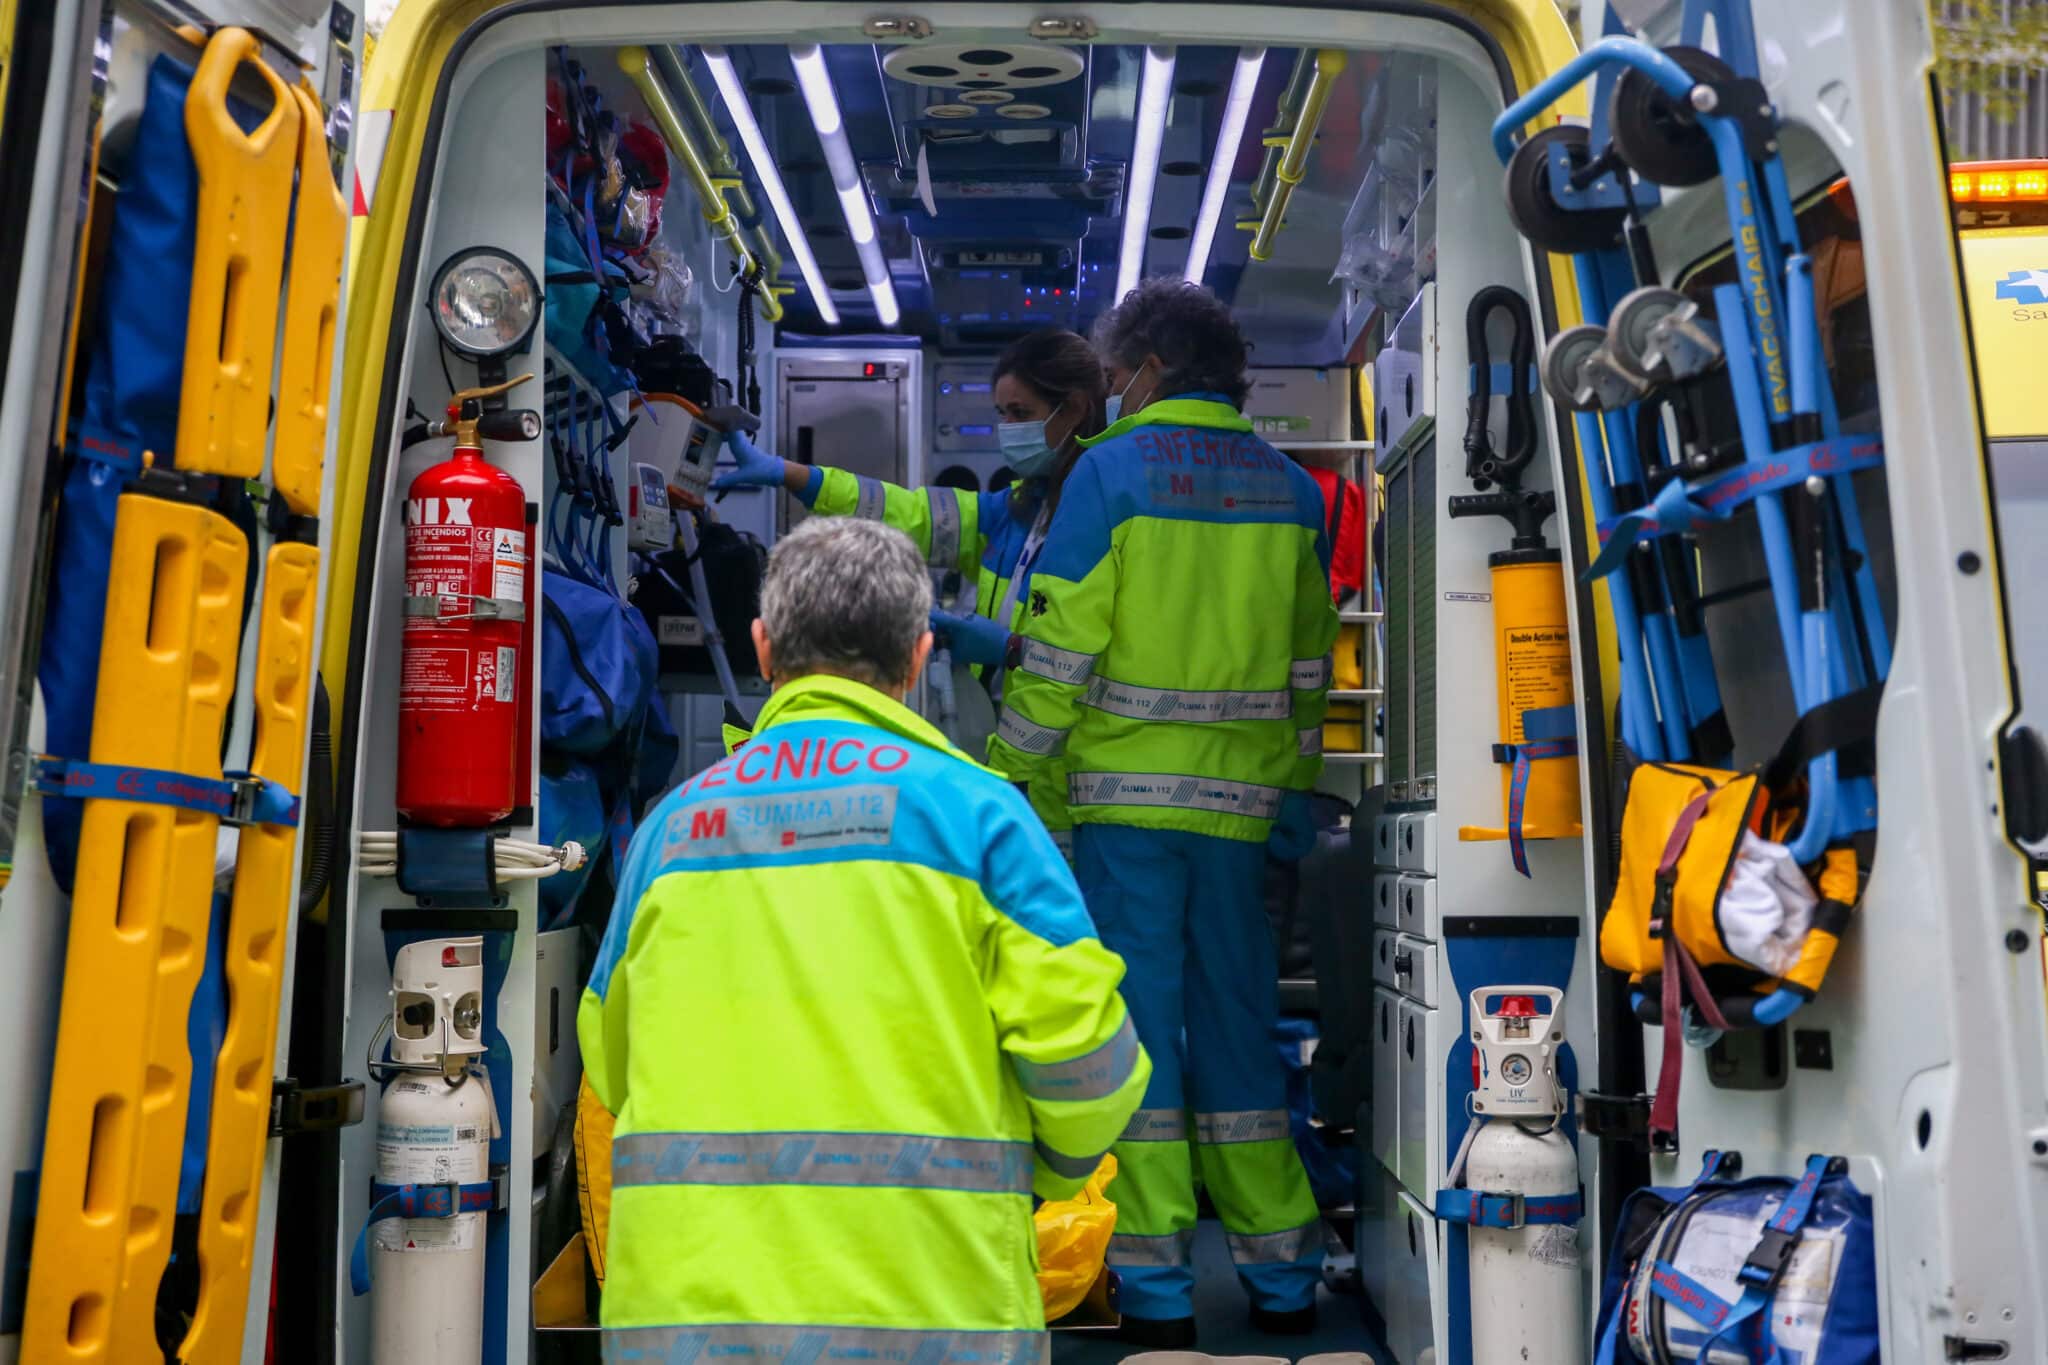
(238, 1134)
(305, 371)
(258, 916)
(139, 918)
(245, 195)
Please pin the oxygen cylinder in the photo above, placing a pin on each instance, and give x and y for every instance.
(1527, 1299)
(465, 609)
(433, 1127)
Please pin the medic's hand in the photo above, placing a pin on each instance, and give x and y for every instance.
(973, 639)
(756, 467)
(1294, 831)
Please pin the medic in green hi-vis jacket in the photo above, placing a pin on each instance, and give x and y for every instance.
(850, 1013)
(1048, 391)
(1172, 670)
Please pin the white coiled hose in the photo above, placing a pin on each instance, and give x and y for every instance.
(516, 859)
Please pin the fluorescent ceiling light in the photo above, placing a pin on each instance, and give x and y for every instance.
(1237, 108)
(1154, 94)
(728, 82)
(816, 84)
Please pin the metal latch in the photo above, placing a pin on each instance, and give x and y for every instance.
(1074, 29)
(905, 26)
(296, 1108)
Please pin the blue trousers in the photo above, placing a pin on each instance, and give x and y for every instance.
(1186, 914)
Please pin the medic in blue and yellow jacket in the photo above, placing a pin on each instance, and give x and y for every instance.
(1172, 673)
(851, 1014)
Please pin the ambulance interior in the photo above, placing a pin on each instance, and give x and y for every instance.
(913, 205)
(835, 230)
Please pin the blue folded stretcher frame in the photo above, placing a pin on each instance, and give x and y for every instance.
(1829, 619)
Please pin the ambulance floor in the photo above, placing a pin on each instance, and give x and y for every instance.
(1223, 1320)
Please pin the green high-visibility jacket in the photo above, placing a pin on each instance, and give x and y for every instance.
(851, 1014)
(1178, 630)
(959, 529)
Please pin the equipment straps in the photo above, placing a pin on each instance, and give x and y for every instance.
(1766, 1265)
(1845, 725)
(1680, 506)
(236, 798)
(414, 1201)
(1490, 1209)
(1548, 732)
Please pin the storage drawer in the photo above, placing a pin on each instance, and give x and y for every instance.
(1414, 966)
(1415, 908)
(1419, 1081)
(1415, 842)
(1386, 1077)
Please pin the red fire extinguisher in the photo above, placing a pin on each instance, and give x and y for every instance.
(465, 605)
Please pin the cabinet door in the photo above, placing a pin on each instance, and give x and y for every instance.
(1419, 1083)
(850, 424)
(1386, 1074)
(1414, 1255)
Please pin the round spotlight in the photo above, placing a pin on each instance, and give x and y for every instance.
(485, 302)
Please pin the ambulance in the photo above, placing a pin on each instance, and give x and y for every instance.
(1666, 983)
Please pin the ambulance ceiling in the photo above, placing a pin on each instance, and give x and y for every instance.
(997, 174)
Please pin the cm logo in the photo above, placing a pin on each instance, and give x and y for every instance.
(708, 824)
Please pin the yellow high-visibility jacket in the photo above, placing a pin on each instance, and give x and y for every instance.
(851, 1013)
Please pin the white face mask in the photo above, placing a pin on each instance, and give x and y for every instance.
(1026, 446)
(1113, 406)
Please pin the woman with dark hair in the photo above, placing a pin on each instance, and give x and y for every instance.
(1171, 676)
(1048, 393)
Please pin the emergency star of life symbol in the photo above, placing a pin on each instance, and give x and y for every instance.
(2025, 286)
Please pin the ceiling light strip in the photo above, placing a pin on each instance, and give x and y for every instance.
(728, 82)
(1155, 93)
(816, 85)
(1237, 108)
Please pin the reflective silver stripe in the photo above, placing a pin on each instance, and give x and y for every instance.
(1072, 1167)
(1060, 665)
(1174, 1249)
(1276, 1248)
(1309, 741)
(1156, 1125)
(945, 505)
(1241, 1125)
(1305, 675)
(873, 499)
(1025, 737)
(1090, 1076)
(1162, 703)
(774, 1344)
(1173, 789)
(877, 1159)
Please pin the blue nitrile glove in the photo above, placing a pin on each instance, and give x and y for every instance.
(754, 468)
(973, 639)
(1294, 829)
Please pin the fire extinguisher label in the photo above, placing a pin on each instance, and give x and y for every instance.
(508, 674)
(508, 566)
(435, 673)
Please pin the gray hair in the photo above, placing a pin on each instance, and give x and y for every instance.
(1188, 328)
(846, 596)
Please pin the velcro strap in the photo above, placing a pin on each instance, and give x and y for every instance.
(237, 798)
(101, 445)
(434, 607)
(1480, 1209)
(1539, 727)
(1780, 1238)
(1680, 506)
(1689, 1296)
(414, 1201)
